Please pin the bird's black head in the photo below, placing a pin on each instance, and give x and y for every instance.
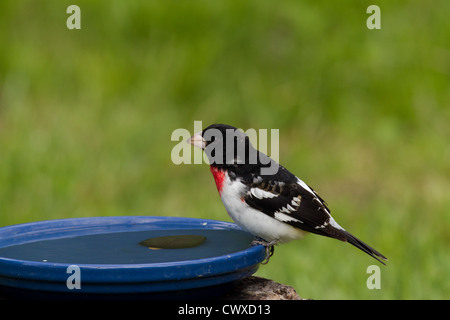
(229, 147)
(224, 145)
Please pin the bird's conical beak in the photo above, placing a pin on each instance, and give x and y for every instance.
(197, 140)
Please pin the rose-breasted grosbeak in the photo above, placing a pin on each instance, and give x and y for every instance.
(276, 207)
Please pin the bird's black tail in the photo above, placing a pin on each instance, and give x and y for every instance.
(364, 247)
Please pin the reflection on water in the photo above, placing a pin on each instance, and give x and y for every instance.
(130, 248)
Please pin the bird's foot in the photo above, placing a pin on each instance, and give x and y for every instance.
(270, 248)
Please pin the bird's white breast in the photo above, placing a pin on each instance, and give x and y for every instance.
(252, 220)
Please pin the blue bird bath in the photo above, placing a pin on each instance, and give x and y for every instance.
(102, 258)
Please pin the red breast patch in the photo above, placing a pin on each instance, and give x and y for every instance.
(219, 177)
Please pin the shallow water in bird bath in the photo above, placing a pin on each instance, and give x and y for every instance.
(134, 247)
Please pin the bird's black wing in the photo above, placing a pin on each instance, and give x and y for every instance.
(288, 199)
(293, 202)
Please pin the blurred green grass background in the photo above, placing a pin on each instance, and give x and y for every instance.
(86, 118)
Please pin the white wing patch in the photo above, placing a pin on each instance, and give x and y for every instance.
(332, 222)
(261, 194)
(285, 218)
(296, 201)
(305, 186)
(283, 214)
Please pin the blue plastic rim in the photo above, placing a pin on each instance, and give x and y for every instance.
(207, 277)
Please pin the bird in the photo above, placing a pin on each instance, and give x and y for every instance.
(276, 207)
